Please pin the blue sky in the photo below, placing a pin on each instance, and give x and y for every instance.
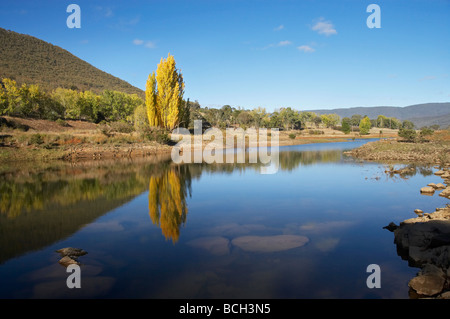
(249, 53)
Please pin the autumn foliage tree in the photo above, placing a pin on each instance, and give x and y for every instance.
(167, 200)
(164, 95)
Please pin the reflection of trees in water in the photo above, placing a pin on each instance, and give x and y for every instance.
(38, 208)
(41, 206)
(167, 200)
(292, 159)
(407, 171)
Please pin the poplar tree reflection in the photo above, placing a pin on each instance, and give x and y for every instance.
(167, 200)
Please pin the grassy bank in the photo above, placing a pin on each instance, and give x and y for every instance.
(42, 140)
(434, 151)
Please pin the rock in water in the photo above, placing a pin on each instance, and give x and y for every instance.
(70, 255)
(71, 252)
(428, 284)
(427, 189)
(269, 243)
(391, 227)
(66, 261)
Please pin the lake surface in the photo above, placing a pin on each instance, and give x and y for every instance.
(153, 229)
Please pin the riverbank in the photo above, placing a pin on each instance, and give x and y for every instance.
(434, 151)
(31, 140)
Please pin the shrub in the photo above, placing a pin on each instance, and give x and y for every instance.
(292, 136)
(163, 138)
(409, 135)
(104, 129)
(121, 127)
(157, 135)
(424, 133)
(36, 139)
(62, 123)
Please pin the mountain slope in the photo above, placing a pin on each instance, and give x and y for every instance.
(420, 114)
(27, 59)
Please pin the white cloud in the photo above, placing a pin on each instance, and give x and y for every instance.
(105, 11)
(150, 44)
(306, 48)
(279, 44)
(428, 78)
(279, 28)
(147, 44)
(283, 43)
(324, 27)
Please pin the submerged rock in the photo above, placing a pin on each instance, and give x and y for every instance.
(70, 255)
(66, 261)
(269, 243)
(215, 245)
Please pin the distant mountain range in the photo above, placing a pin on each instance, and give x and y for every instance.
(420, 114)
(27, 59)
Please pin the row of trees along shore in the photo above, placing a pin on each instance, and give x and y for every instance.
(164, 108)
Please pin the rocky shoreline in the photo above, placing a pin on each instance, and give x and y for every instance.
(424, 241)
(390, 150)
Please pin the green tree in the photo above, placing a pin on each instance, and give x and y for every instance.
(409, 135)
(407, 124)
(346, 128)
(140, 120)
(424, 133)
(356, 119)
(364, 126)
(185, 114)
(67, 99)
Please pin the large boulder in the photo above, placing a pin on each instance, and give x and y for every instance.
(445, 192)
(427, 190)
(429, 282)
(425, 242)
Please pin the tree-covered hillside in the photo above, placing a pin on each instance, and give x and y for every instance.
(27, 59)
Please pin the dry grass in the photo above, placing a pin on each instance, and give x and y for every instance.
(436, 151)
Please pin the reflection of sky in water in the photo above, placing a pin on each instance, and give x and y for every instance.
(340, 205)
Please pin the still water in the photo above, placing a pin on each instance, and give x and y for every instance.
(153, 229)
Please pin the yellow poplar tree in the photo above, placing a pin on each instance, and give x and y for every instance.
(164, 95)
(153, 112)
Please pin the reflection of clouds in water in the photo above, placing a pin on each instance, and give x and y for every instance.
(105, 226)
(215, 245)
(326, 226)
(235, 229)
(327, 244)
(91, 287)
(50, 282)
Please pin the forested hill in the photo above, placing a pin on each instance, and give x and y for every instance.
(420, 114)
(29, 60)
